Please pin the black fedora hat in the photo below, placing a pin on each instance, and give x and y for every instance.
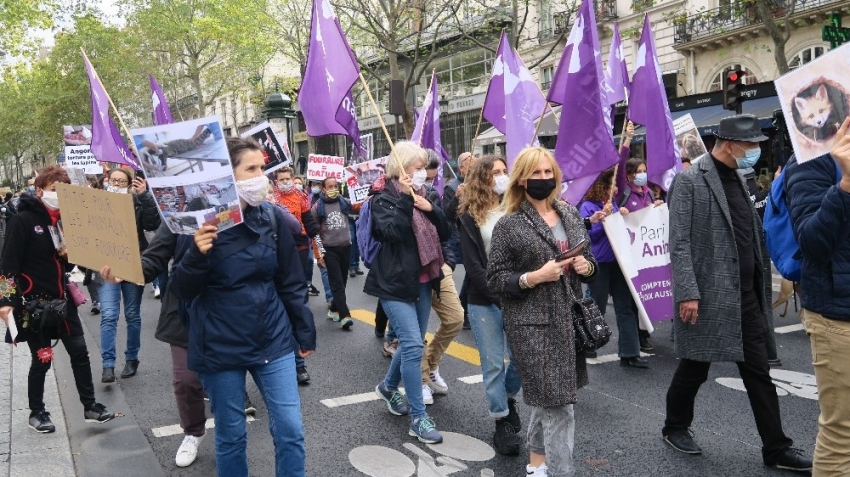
(743, 127)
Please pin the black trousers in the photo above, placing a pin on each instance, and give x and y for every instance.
(337, 260)
(75, 345)
(754, 371)
(381, 318)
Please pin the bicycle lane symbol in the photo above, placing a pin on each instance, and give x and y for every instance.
(787, 382)
(455, 452)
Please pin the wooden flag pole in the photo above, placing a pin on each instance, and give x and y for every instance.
(383, 126)
(619, 150)
(477, 130)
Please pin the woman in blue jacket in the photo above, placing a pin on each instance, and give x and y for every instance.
(245, 297)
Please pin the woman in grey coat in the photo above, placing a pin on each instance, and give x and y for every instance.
(537, 294)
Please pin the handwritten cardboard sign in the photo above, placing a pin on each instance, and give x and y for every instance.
(100, 229)
(320, 167)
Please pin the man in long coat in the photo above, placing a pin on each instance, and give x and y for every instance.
(715, 239)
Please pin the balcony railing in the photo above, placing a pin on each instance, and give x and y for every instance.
(545, 85)
(727, 18)
(606, 10)
(641, 5)
(562, 22)
(545, 35)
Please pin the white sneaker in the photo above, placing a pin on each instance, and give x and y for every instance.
(541, 471)
(188, 451)
(437, 384)
(156, 292)
(427, 396)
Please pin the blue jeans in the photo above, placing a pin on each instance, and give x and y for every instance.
(326, 284)
(501, 380)
(277, 384)
(410, 321)
(355, 251)
(110, 307)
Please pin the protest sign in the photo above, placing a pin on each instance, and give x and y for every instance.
(815, 99)
(99, 229)
(367, 143)
(640, 242)
(276, 156)
(360, 177)
(78, 149)
(77, 176)
(690, 142)
(320, 167)
(190, 174)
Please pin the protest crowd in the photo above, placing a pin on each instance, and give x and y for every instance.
(536, 236)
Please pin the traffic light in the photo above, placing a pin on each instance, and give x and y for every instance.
(732, 83)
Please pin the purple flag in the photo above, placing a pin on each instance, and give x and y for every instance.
(161, 113)
(330, 73)
(513, 102)
(107, 145)
(346, 116)
(649, 107)
(585, 144)
(427, 130)
(616, 73)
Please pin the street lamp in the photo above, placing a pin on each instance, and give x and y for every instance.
(278, 109)
(444, 104)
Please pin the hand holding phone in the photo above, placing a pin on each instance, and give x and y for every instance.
(574, 251)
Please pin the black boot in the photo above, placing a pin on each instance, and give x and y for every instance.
(302, 375)
(505, 439)
(108, 375)
(130, 368)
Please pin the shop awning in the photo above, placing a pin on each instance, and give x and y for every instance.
(549, 127)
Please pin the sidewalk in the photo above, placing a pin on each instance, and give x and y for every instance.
(24, 452)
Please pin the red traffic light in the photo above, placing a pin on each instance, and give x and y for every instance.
(735, 76)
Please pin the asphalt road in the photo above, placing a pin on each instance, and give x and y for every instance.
(619, 415)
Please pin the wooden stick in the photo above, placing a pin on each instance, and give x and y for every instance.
(539, 121)
(477, 130)
(619, 150)
(383, 126)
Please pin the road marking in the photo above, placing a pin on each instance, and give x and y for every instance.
(353, 399)
(474, 379)
(457, 350)
(790, 328)
(174, 430)
(608, 358)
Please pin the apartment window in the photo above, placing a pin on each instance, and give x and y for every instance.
(545, 23)
(717, 83)
(461, 75)
(806, 56)
(546, 74)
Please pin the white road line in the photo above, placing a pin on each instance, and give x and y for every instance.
(352, 399)
(174, 430)
(790, 328)
(474, 379)
(608, 358)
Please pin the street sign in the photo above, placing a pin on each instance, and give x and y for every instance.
(834, 33)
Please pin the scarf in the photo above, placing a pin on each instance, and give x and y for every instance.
(427, 241)
(344, 206)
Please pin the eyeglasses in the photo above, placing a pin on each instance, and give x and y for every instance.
(118, 182)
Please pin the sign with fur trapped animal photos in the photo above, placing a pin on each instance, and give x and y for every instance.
(815, 99)
(687, 135)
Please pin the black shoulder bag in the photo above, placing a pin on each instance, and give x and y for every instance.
(591, 330)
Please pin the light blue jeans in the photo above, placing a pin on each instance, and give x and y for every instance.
(409, 320)
(326, 284)
(501, 380)
(277, 384)
(110, 308)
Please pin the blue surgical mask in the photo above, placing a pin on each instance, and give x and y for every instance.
(299, 186)
(640, 179)
(316, 189)
(751, 156)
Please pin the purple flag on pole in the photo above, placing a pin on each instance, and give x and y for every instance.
(513, 102)
(585, 144)
(161, 112)
(427, 130)
(617, 73)
(330, 73)
(649, 107)
(346, 116)
(107, 145)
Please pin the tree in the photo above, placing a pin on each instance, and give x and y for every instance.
(18, 16)
(779, 29)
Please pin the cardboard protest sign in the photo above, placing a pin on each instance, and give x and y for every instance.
(190, 174)
(275, 154)
(78, 149)
(360, 177)
(320, 167)
(690, 142)
(641, 244)
(99, 229)
(815, 100)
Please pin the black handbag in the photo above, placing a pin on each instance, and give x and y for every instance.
(591, 330)
(44, 316)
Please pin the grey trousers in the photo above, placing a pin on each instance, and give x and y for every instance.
(551, 431)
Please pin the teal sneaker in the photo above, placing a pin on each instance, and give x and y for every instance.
(332, 315)
(346, 323)
(394, 399)
(424, 429)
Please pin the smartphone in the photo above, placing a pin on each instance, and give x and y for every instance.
(572, 252)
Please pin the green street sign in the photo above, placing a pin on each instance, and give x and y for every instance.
(834, 33)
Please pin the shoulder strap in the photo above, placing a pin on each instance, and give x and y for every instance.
(269, 209)
(626, 194)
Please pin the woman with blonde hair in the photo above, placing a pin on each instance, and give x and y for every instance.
(537, 294)
(408, 267)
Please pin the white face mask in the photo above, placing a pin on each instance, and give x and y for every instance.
(419, 178)
(50, 199)
(285, 186)
(501, 184)
(254, 190)
(299, 187)
(119, 190)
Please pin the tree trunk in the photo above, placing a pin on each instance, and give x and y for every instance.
(778, 33)
(195, 76)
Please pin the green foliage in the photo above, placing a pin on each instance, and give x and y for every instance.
(17, 16)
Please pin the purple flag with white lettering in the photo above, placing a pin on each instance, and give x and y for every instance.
(330, 73)
(648, 106)
(426, 132)
(617, 73)
(514, 102)
(585, 144)
(346, 116)
(107, 145)
(161, 112)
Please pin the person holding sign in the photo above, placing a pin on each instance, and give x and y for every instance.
(121, 181)
(245, 298)
(33, 275)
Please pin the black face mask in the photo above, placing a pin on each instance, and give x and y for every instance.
(539, 189)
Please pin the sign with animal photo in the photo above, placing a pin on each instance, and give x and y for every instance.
(320, 167)
(275, 150)
(815, 99)
(690, 142)
(360, 177)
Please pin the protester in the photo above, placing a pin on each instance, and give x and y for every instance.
(34, 270)
(302, 165)
(536, 294)
(121, 181)
(480, 210)
(331, 212)
(406, 270)
(451, 200)
(610, 280)
(223, 276)
(299, 183)
(820, 212)
(720, 308)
